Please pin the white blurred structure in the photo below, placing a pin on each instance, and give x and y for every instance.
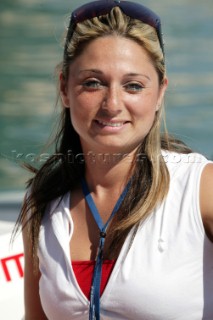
(11, 260)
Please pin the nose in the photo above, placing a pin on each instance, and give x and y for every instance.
(112, 102)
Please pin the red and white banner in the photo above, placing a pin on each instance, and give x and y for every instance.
(11, 278)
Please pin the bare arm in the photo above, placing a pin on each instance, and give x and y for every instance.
(33, 308)
(206, 199)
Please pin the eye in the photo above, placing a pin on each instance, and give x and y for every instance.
(134, 87)
(92, 84)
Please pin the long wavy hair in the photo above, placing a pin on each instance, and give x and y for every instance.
(150, 177)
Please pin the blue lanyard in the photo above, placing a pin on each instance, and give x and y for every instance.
(94, 311)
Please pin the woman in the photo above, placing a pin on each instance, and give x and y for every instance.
(118, 223)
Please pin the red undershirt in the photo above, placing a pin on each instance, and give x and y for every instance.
(84, 271)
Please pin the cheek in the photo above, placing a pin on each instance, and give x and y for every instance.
(144, 115)
(145, 111)
(81, 116)
(85, 106)
(77, 117)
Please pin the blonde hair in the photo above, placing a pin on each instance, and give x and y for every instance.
(115, 23)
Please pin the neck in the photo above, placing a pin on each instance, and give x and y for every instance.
(108, 171)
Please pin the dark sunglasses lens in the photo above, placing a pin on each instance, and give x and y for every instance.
(92, 10)
(138, 11)
(97, 8)
(131, 9)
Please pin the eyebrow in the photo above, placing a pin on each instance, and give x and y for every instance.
(134, 74)
(131, 74)
(90, 70)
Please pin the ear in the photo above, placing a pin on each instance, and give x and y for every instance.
(162, 91)
(63, 90)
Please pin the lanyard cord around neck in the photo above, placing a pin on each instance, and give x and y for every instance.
(94, 312)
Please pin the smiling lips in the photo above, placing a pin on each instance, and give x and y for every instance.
(111, 124)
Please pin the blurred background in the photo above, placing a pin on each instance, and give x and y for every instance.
(31, 45)
(31, 37)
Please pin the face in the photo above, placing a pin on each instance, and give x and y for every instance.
(113, 94)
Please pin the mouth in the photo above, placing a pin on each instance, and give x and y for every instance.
(113, 124)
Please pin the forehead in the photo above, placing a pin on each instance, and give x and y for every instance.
(114, 51)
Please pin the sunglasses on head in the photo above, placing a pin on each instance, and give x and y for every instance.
(103, 7)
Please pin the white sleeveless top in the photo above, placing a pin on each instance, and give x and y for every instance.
(166, 273)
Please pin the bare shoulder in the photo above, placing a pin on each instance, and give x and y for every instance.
(206, 199)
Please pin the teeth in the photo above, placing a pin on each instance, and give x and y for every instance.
(111, 124)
